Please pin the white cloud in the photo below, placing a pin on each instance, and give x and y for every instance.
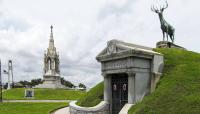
(81, 30)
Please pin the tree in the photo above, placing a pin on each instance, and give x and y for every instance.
(25, 83)
(67, 83)
(82, 86)
(32, 83)
(35, 82)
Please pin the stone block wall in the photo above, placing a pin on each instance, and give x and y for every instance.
(101, 108)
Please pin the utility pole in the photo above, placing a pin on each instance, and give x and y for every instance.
(1, 85)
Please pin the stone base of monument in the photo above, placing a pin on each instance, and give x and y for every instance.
(167, 44)
(50, 85)
(51, 82)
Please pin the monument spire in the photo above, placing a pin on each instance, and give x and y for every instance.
(51, 40)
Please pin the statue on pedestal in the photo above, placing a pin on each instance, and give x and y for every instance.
(167, 29)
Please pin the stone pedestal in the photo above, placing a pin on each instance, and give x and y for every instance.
(51, 81)
(166, 44)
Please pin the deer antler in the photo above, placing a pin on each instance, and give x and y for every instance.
(161, 9)
(164, 7)
(154, 9)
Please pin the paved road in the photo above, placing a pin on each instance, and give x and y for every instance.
(37, 100)
(62, 111)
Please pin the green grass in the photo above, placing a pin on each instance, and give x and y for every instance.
(92, 97)
(44, 94)
(29, 108)
(178, 90)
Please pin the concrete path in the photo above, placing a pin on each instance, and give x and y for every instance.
(62, 111)
(37, 100)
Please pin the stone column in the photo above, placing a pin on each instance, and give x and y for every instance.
(131, 88)
(107, 88)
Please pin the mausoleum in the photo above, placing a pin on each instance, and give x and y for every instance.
(130, 72)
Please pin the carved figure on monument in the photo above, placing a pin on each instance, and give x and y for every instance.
(167, 29)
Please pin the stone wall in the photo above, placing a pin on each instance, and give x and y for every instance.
(101, 108)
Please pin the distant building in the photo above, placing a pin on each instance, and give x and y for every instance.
(51, 69)
(79, 88)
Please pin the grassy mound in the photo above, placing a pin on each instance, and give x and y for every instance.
(29, 108)
(92, 97)
(44, 94)
(179, 88)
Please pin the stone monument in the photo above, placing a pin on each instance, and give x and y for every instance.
(167, 29)
(51, 69)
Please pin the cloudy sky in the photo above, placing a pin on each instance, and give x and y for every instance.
(81, 30)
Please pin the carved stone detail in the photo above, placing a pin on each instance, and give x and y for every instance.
(111, 47)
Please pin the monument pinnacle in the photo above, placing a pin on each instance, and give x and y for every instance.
(51, 40)
(51, 31)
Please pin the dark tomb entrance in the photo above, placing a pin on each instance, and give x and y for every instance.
(119, 92)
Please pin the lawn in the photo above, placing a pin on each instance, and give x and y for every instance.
(44, 94)
(92, 97)
(179, 88)
(29, 108)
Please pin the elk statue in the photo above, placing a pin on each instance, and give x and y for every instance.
(167, 29)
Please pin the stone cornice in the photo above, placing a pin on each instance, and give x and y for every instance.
(124, 54)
